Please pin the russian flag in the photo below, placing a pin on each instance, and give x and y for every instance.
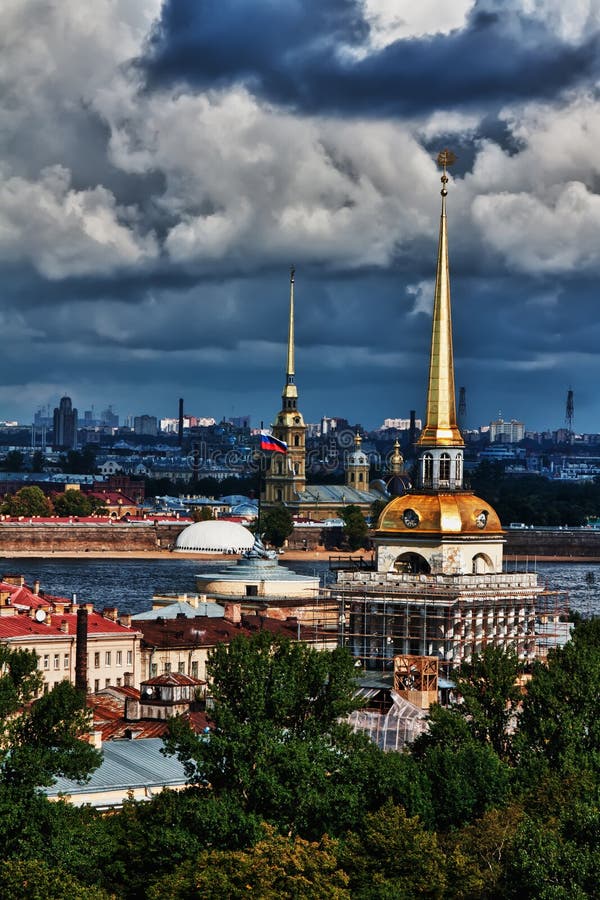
(268, 442)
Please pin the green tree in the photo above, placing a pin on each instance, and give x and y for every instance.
(276, 523)
(355, 527)
(277, 743)
(393, 856)
(28, 501)
(36, 879)
(202, 514)
(41, 737)
(72, 503)
(38, 461)
(14, 461)
(559, 725)
(490, 695)
(276, 867)
(377, 507)
(79, 462)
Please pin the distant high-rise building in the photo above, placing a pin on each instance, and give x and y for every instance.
(65, 425)
(110, 418)
(502, 432)
(145, 425)
(399, 424)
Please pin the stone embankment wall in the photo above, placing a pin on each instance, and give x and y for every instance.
(79, 536)
(558, 543)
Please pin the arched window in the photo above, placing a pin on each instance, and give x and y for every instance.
(279, 469)
(360, 476)
(351, 476)
(427, 468)
(458, 467)
(296, 440)
(279, 494)
(445, 467)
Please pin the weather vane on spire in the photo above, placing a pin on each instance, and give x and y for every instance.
(445, 159)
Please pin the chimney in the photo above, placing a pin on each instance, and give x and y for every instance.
(110, 612)
(19, 580)
(95, 739)
(89, 607)
(59, 609)
(233, 613)
(180, 427)
(64, 626)
(132, 709)
(81, 650)
(36, 587)
(5, 598)
(125, 620)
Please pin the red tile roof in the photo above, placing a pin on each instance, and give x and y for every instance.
(97, 624)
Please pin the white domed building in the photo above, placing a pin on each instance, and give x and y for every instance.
(214, 536)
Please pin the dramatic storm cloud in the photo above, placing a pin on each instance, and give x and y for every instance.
(162, 165)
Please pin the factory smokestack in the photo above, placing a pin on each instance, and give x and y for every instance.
(81, 650)
(412, 431)
(180, 430)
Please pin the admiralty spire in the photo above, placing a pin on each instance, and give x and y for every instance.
(441, 463)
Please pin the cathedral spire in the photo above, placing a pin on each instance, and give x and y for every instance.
(290, 391)
(441, 428)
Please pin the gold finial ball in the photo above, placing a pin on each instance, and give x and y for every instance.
(445, 159)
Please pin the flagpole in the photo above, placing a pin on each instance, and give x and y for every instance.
(260, 459)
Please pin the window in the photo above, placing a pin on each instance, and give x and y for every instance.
(119, 658)
(96, 685)
(96, 660)
(181, 668)
(251, 590)
(129, 657)
(427, 468)
(119, 680)
(153, 670)
(57, 660)
(445, 467)
(46, 661)
(195, 669)
(107, 682)
(66, 661)
(280, 494)
(167, 668)
(360, 476)
(107, 658)
(296, 440)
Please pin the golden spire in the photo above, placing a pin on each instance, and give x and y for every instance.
(357, 441)
(290, 390)
(441, 429)
(397, 460)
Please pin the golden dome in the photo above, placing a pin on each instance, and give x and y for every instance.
(459, 512)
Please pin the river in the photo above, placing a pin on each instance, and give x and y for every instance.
(130, 584)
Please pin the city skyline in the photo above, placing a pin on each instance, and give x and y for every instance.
(187, 158)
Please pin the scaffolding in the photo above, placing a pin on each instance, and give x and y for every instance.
(449, 618)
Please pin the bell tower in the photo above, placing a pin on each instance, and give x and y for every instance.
(357, 467)
(286, 476)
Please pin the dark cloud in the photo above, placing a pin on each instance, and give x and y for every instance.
(293, 54)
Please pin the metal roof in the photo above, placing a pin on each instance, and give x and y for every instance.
(126, 765)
